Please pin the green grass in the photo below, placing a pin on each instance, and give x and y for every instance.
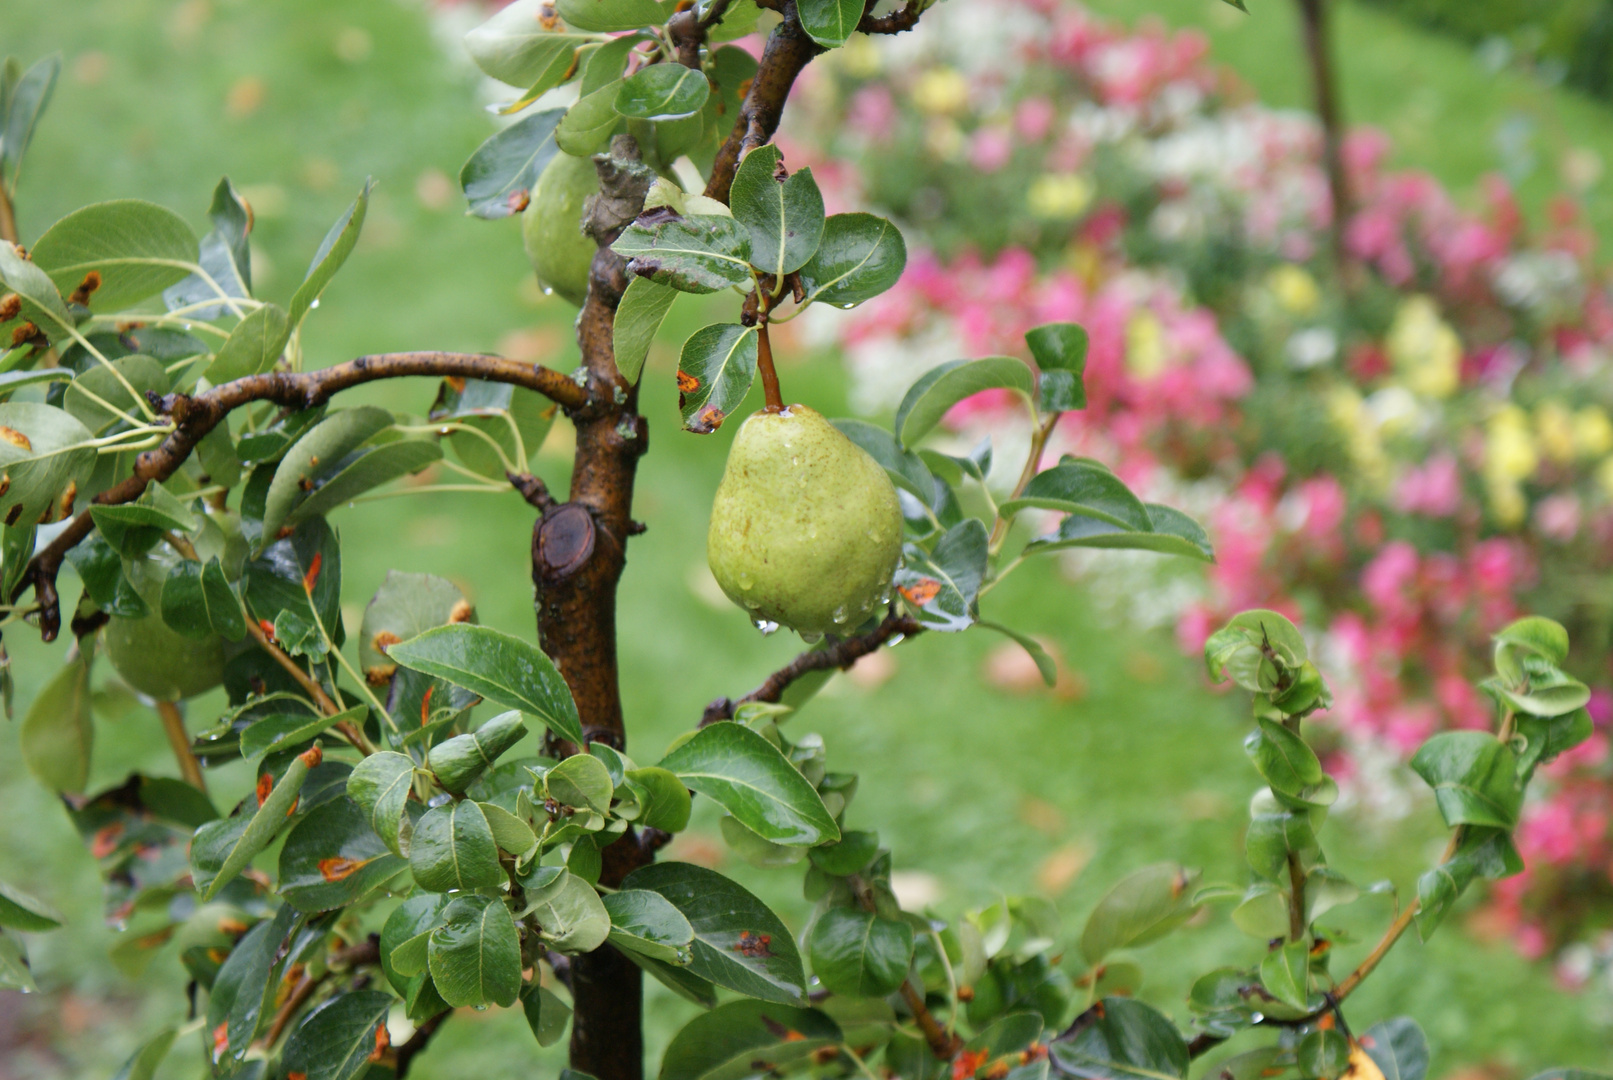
(967, 784)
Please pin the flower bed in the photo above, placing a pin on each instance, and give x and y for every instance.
(1409, 454)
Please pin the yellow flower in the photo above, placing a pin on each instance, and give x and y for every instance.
(1424, 349)
(859, 57)
(1145, 344)
(1554, 431)
(1350, 415)
(1055, 196)
(943, 139)
(1507, 505)
(1593, 431)
(1510, 454)
(941, 90)
(1294, 289)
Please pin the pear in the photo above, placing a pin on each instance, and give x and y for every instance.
(805, 530)
(151, 656)
(551, 226)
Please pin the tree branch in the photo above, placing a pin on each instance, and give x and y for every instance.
(195, 416)
(173, 725)
(904, 18)
(842, 654)
(346, 730)
(416, 1043)
(8, 217)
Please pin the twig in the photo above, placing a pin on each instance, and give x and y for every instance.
(173, 725)
(903, 19)
(416, 1043)
(842, 654)
(345, 729)
(764, 367)
(1039, 439)
(364, 952)
(1296, 898)
(195, 417)
(8, 217)
(944, 1046)
(1319, 52)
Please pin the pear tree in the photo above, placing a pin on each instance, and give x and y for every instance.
(395, 863)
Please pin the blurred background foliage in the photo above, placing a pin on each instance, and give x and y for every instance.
(299, 100)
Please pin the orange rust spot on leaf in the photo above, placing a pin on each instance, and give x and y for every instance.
(106, 840)
(708, 419)
(794, 1036)
(217, 955)
(268, 630)
(457, 382)
(966, 994)
(687, 384)
(64, 505)
(15, 438)
(312, 576)
(341, 867)
(23, 334)
(461, 612)
(921, 592)
(518, 200)
(296, 1076)
(966, 1063)
(312, 756)
(548, 17)
(10, 307)
(753, 945)
(382, 1041)
(425, 705)
(221, 1040)
(86, 289)
(232, 927)
(997, 1071)
(265, 786)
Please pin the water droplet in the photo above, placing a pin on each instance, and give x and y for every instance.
(873, 534)
(479, 1008)
(840, 615)
(439, 800)
(812, 533)
(764, 626)
(884, 598)
(548, 291)
(896, 639)
(745, 581)
(795, 459)
(315, 303)
(811, 637)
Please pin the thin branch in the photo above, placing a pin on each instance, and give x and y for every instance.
(842, 654)
(944, 1046)
(1039, 437)
(173, 725)
(903, 19)
(345, 729)
(1296, 898)
(346, 958)
(195, 417)
(8, 217)
(416, 1043)
(764, 367)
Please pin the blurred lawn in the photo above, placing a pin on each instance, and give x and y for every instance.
(299, 100)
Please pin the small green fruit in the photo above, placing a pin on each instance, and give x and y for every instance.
(551, 226)
(806, 530)
(153, 658)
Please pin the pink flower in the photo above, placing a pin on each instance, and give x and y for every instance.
(1033, 118)
(990, 148)
(1434, 488)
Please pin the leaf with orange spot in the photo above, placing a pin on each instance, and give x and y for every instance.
(311, 578)
(921, 592)
(332, 857)
(222, 849)
(340, 867)
(721, 362)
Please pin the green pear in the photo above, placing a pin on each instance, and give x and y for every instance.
(806, 530)
(551, 226)
(151, 656)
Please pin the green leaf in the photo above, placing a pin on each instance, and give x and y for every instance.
(756, 851)
(572, 917)
(253, 346)
(101, 381)
(1531, 636)
(225, 256)
(242, 983)
(405, 934)
(1285, 973)
(609, 16)
(784, 217)
(746, 775)
(859, 257)
(854, 852)
(1142, 907)
(490, 408)
(680, 980)
(42, 304)
(666, 91)
(19, 911)
(1174, 533)
(199, 602)
(14, 973)
(27, 96)
(15, 380)
(458, 761)
(314, 457)
(701, 253)
(285, 730)
(1483, 852)
(1124, 1040)
(942, 586)
(1400, 1050)
(143, 1063)
(511, 833)
(725, 1043)
(1324, 1054)
(739, 943)
(405, 606)
(860, 954)
(1045, 665)
(546, 1014)
(42, 454)
(661, 800)
(380, 786)
(138, 248)
(830, 22)
(57, 731)
(588, 125)
(718, 366)
(525, 44)
(452, 847)
(1284, 759)
(333, 252)
(498, 178)
(1084, 488)
(475, 955)
(1551, 693)
(277, 580)
(1273, 834)
(580, 780)
(333, 857)
(222, 849)
(943, 386)
(1474, 777)
(906, 469)
(336, 1040)
(645, 922)
(500, 667)
(639, 316)
(1060, 352)
(1571, 1074)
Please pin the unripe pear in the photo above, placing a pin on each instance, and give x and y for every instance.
(551, 226)
(151, 656)
(805, 530)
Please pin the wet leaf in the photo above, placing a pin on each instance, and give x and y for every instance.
(1174, 533)
(944, 385)
(860, 954)
(1084, 488)
(941, 587)
(253, 346)
(739, 943)
(58, 731)
(222, 849)
(582, 781)
(522, 47)
(337, 1040)
(475, 955)
(143, 1063)
(698, 254)
(1060, 352)
(1284, 759)
(504, 669)
(830, 22)
(1399, 1048)
(546, 1014)
(458, 761)
(658, 799)
(1123, 1040)
(225, 256)
(499, 176)
(725, 1043)
(333, 252)
(28, 93)
(747, 776)
(609, 16)
(332, 857)
(588, 125)
(715, 373)
(645, 922)
(643, 309)
(859, 257)
(452, 847)
(784, 217)
(572, 916)
(42, 454)
(1474, 777)
(1141, 908)
(19, 911)
(199, 601)
(666, 91)
(1285, 973)
(314, 457)
(105, 382)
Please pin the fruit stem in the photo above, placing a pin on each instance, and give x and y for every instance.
(173, 725)
(764, 364)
